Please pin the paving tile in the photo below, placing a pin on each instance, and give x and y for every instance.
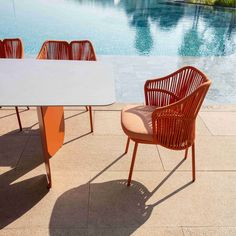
(209, 231)
(212, 153)
(99, 152)
(113, 107)
(75, 108)
(64, 206)
(43, 231)
(10, 151)
(219, 107)
(32, 157)
(8, 122)
(201, 128)
(107, 123)
(77, 123)
(220, 123)
(163, 200)
(29, 120)
(158, 231)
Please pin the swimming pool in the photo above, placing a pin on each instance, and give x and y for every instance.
(122, 27)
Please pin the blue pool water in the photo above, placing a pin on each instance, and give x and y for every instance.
(122, 27)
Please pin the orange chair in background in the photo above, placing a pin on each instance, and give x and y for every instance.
(12, 48)
(54, 50)
(169, 116)
(83, 50)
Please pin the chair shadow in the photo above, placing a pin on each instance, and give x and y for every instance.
(110, 204)
(18, 197)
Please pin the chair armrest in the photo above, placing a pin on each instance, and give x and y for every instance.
(172, 127)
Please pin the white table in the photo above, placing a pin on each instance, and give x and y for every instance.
(51, 84)
(30, 82)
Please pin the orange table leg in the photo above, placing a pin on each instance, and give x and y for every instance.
(51, 124)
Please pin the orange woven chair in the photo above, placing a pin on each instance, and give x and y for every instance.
(84, 51)
(12, 48)
(54, 50)
(169, 116)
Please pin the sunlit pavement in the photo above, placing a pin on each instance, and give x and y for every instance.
(89, 194)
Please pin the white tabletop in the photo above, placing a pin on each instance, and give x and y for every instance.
(31, 82)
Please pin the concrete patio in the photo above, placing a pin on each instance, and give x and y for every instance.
(89, 195)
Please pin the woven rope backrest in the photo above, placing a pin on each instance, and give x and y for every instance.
(12, 48)
(174, 125)
(54, 50)
(172, 88)
(82, 50)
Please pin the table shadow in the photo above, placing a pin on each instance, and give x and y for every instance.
(18, 197)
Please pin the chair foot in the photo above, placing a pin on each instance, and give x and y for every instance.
(18, 118)
(86, 107)
(132, 163)
(91, 118)
(127, 145)
(28, 108)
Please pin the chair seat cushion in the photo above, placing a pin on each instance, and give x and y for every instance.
(136, 121)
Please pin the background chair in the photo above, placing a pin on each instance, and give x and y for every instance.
(54, 50)
(169, 116)
(12, 48)
(84, 51)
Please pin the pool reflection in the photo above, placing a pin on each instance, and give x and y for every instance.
(123, 27)
(205, 30)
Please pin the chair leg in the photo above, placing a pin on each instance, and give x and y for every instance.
(86, 107)
(28, 108)
(18, 118)
(193, 163)
(127, 145)
(186, 154)
(91, 118)
(132, 163)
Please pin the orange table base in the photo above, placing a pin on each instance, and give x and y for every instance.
(52, 130)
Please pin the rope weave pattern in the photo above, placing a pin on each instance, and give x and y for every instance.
(178, 98)
(62, 50)
(11, 48)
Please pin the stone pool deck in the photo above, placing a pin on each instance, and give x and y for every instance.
(89, 196)
(131, 72)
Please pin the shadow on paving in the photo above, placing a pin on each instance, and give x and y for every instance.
(111, 205)
(18, 198)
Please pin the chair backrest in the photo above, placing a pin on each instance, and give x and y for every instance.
(11, 48)
(82, 50)
(171, 88)
(174, 125)
(54, 50)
